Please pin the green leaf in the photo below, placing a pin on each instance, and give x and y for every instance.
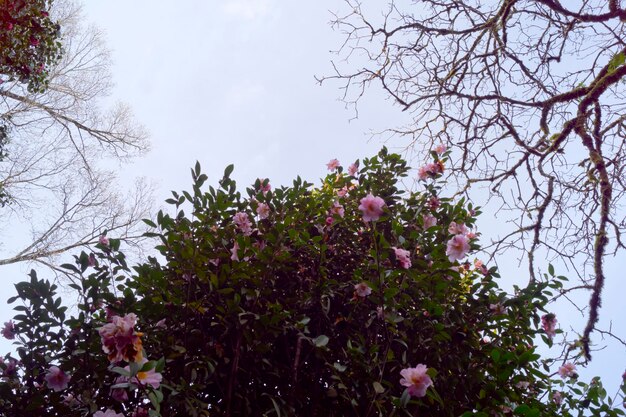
(147, 366)
(229, 170)
(378, 387)
(154, 400)
(320, 341)
(405, 398)
(121, 371)
(340, 367)
(134, 368)
(160, 365)
(522, 409)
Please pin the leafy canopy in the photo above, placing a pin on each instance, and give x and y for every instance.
(286, 302)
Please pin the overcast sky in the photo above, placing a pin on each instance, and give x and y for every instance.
(232, 81)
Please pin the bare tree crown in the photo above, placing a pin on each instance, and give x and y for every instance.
(52, 173)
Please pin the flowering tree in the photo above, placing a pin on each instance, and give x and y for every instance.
(530, 94)
(347, 299)
(29, 42)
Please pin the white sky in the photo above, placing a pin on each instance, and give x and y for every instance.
(232, 81)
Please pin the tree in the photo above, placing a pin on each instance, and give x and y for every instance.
(59, 140)
(29, 42)
(530, 95)
(344, 299)
(29, 46)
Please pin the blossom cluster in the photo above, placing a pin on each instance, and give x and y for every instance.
(334, 164)
(458, 247)
(8, 331)
(119, 339)
(121, 342)
(567, 370)
(430, 170)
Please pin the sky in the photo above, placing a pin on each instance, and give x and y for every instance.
(233, 81)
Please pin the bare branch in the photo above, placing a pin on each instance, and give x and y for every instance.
(531, 98)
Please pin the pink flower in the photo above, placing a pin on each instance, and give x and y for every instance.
(10, 367)
(434, 203)
(234, 251)
(119, 339)
(457, 229)
(457, 248)
(56, 379)
(8, 331)
(567, 370)
(362, 289)
(416, 380)
(557, 397)
(480, 267)
(333, 164)
(440, 149)
(150, 377)
(91, 261)
(119, 394)
(263, 210)
(265, 188)
(497, 309)
(430, 170)
(107, 413)
(548, 322)
(103, 240)
(242, 222)
(372, 207)
(429, 221)
(70, 400)
(352, 169)
(337, 209)
(329, 221)
(342, 192)
(403, 257)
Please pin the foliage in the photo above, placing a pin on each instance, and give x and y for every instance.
(285, 302)
(29, 42)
